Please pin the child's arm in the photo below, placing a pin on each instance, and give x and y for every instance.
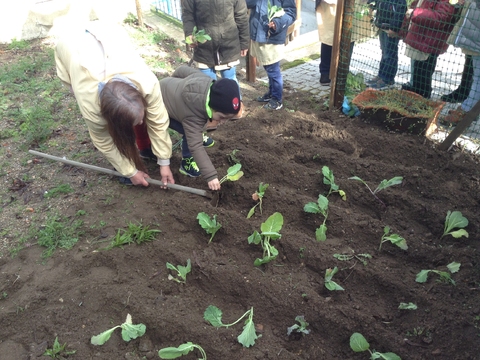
(287, 19)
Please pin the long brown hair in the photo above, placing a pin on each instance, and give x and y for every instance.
(119, 104)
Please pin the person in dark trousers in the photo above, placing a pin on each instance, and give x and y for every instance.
(195, 103)
(461, 93)
(389, 16)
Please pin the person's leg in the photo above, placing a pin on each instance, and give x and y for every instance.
(389, 62)
(210, 72)
(474, 94)
(422, 74)
(230, 73)
(325, 62)
(461, 93)
(275, 80)
(178, 127)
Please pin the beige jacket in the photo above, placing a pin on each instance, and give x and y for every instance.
(79, 67)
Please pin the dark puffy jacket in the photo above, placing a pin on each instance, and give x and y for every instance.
(259, 31)
(185, 96)
(431, 24)
(390, 14)
(225, 21)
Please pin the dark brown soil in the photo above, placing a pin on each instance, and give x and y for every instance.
(81, 292)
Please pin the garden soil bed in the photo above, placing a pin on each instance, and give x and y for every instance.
(81, 292)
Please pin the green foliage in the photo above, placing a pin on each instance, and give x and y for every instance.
(301, 327)
(407, 306)
(58, 233)
(248, 336)
(232, 157)
(269, 231)
(355, 84)
(18, 45)
(210, 225)
(320, 207)
(129, 332)
(258, 196)
(359, 344)
(233, 173)
(393, 238)
(329, 179)
(274, 11)
(198, 36)
(184, 349)
(453, 267)
(329, 283)
(397, 180)
(348, 257)
(58, 351)
(181, 272)
(455, 220)
(135, 233)
(58, 190)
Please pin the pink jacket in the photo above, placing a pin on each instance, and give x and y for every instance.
(431, 24)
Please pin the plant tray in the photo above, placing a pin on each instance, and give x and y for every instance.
(399, 110)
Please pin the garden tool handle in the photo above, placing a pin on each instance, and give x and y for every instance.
(116, 173)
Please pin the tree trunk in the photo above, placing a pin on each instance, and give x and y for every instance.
(139, 13)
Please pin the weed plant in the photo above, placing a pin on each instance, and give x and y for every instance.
(58, 232)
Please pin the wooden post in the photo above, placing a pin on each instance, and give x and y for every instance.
(341, 51)
(461, 126)
(139, 13)
(251, 67)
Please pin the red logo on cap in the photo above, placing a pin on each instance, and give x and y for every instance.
(235, 103)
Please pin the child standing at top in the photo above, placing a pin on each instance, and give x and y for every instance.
(269, 21)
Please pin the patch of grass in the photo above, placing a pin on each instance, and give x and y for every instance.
(59, 190)
(58, 232)
(135, 233)
(18, 45)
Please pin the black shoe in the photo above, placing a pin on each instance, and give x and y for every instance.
(454, 97)
(148, 154)
(407, 87)
(273, 105)
(265, 97)
(325, 79)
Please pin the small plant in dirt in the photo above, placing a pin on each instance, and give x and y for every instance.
(407, 306)
(397, 180)
(347, 257)
(393, 238)
(184, 349)
(59, 233)
(301, 327)
(455, 220)
(359, 344)
(210, 225)
(445, 277)
(58, 351)
(135, 233)
(248, 336)
(198, 36)
(258, 196)
(320, 207)
(269, 231)
(232, 157)
(181, 272)
(329, 179)
(233, 173)
(130, 331)
(329, 283)
(61, 189)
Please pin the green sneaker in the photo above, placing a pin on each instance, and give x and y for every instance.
(207, 141)
(189, 167)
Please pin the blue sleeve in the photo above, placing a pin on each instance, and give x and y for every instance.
(290, 8)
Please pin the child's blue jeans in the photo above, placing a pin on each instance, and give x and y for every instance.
(389, 62)
(275, 80)
(178, 127)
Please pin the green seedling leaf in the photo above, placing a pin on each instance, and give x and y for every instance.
(300, 328)
(455, 220)
(274, 11)
(273, 224)
(422, 276)
(248, 336)
(181, 271)
(210, 225)
(258, 196)
(329, 179)
(444, 276)
(315, 208)
(198, 36)
(213, 315)
(393, 238)
(358, 343)
(184, 349)
(329, 283)
(255, 238)
(321, 233)
(129, 332)
(233, 173)
(312, 208)
(385, 356)
(407, 306)
(270, 231)
(103, 337)
(397, 180)
(453, 267)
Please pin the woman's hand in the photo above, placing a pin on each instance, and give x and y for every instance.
(139, 178)
(167, 176)
(214, 184)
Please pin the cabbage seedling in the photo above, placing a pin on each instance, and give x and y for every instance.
(383, 185)
(233, 173)
(184, 349)
(198, 36)
(393, 238)
(258, 196)
(182, 272)
(129, 332)
(301, 327)
(455, 220)
(409, 306)
(248, 336)
(444, 275)
(320, 207)
(269, 231)
(359, 344)
(210, 225)
(329, 283)
(58, 351)
(329, 179)
(359, 257)
(274, 11)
